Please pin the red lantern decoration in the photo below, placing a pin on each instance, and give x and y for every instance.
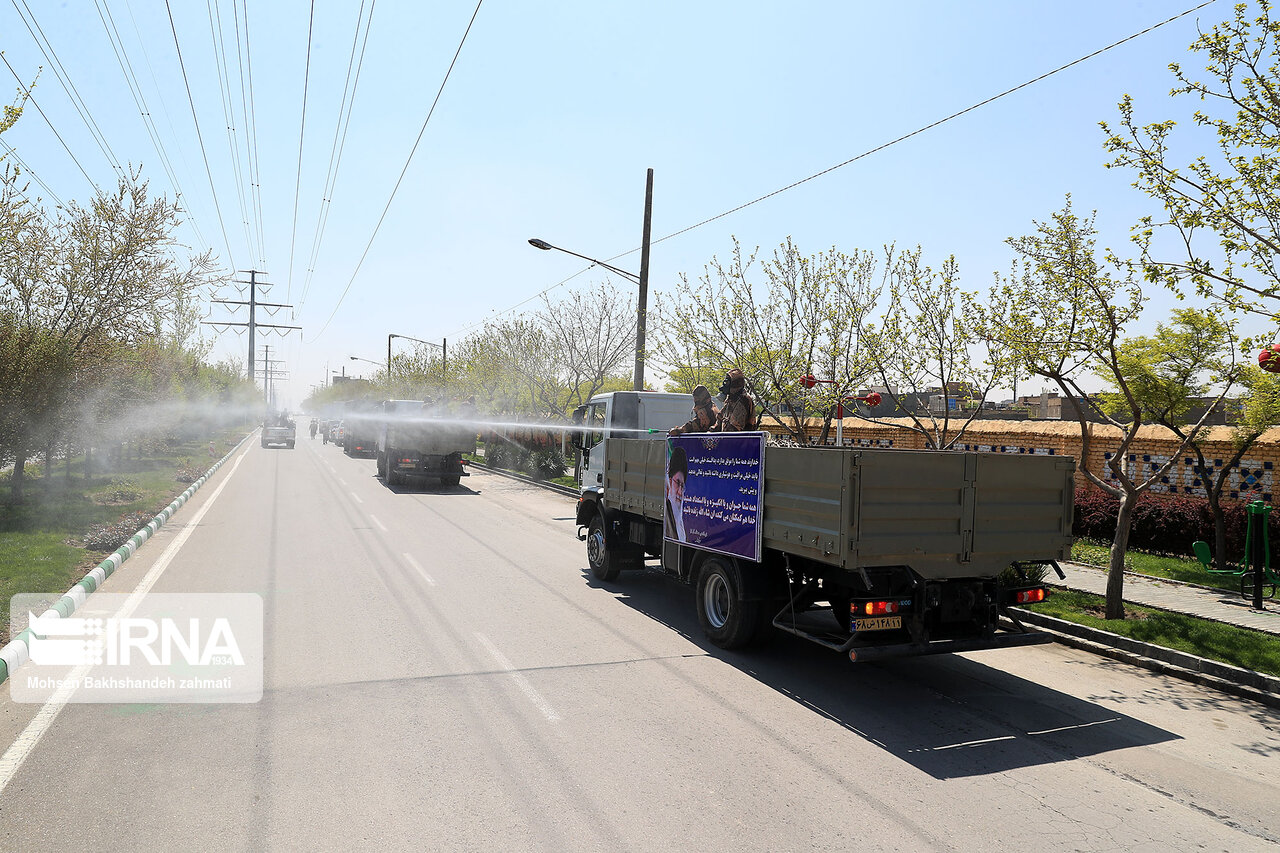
(872, 400)
(808, 380)
(1269, 359)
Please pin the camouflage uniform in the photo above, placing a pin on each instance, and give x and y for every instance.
(705, 413)
(737, 414)
(739, 410)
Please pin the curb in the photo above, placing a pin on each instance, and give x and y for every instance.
(1156, 578)
(15, 652)
(502, 472)
(1243, 683)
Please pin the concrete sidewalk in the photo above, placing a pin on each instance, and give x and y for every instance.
(1216, 605)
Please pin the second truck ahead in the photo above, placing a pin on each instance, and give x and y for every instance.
(418, 444)
(874, 553)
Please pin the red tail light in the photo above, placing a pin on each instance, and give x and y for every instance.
(873, 608)
(1030, 596)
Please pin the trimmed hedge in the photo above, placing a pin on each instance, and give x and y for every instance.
(1164, 524)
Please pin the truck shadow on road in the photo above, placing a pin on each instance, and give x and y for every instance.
(947, 715)
(418, 489)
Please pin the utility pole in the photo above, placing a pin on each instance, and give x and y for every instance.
(253, 325)
(642, 307)
(270, 373)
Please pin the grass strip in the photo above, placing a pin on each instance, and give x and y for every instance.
(1174, 568)
(42, 548)
(1240, 647)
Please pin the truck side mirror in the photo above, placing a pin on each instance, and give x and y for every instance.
(576, 436)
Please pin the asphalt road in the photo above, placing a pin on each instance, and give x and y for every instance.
(443, 674)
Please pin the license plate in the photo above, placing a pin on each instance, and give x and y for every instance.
(879, 623)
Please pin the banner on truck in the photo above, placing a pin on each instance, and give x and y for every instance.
(714, 483)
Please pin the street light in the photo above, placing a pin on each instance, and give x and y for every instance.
(371, 361)
(642, 279)
(444, 352)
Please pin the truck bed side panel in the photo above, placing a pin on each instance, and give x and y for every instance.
(806, 501)
(1025, 503)
(944, 514)
(635, 476)
(950, 514)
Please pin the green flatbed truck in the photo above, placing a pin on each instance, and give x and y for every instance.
(874, 553)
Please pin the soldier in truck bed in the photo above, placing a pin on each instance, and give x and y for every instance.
(738, 413)
(705, 413)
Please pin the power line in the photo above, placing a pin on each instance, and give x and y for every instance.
(339, 142)
(26, 93)
(407, 161)
(227, 101)
(12, 152)
(250, 123)
(168, 117)
(921, 130)
(139, 99)
(64, 78)
(867, 153)
(297, 186)
(199, 137)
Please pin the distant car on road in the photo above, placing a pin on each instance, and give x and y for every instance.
(278, 429)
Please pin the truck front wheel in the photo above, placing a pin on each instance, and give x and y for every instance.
(727, 620)
(606, 562)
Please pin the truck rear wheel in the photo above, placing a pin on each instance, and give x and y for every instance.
(607, 562)
(450, 480)
(727, 620)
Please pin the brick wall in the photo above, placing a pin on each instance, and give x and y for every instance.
(1254, 478)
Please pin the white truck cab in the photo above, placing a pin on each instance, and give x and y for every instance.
(627, 414)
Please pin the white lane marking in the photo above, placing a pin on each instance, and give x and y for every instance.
(426, 577)
(381, 526)
(523, 683)
(343, 482)
(357, 497)
(332, 470)
(43, 720)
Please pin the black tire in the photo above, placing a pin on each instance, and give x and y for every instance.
(727, 620)
(606, 563)
(382, 465)
(290, 445)
(393, 475)
(264, 442)
(449, 481)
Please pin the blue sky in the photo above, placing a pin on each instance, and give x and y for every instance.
(553, 113)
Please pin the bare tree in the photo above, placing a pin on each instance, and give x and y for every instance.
(793, 316)
(928, 346)
(591, 336)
